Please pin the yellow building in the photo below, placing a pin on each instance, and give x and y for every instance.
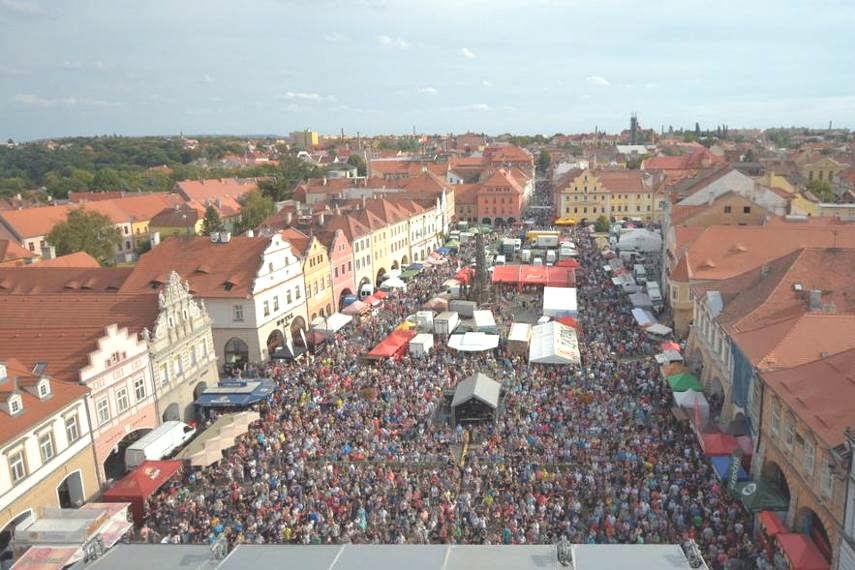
(181, 220)
(47, 459)
(822, 169)
(317, 272)
(306, 139)
(613, 193)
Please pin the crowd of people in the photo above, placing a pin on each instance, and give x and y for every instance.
(354, 451)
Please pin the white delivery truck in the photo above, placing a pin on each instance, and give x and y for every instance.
(640, 273)
(445, 323)
(158, 443)
(546, 241)
(550, 257)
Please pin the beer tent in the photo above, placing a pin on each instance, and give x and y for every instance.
(553, 343)
(140, 484)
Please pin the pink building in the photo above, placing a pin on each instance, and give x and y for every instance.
(93, 339)
(341, 264)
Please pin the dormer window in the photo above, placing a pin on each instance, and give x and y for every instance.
(44, 388)
(16, 405)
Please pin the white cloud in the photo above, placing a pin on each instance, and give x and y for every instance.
(207, 79)
(335, 38)
(428, 90)
(38, 102)
(306, 97)
(480, 107)
(597, 81)
(486, 83)
(396, 42)
(72, 64)
(468, 53)
(22, 8)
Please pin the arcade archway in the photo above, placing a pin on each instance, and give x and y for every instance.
(70, 491)
(236, 352)
(809, 523)
(772, 473)
(275, 340)
(298, 332)
(381, 274)
(172, 413)
(114, 465)
(405, 261)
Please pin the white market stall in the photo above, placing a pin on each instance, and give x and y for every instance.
(554, 343)
(421, 344)
(691, 401)
(332, 323)
(560, 302)
(484, 321)
(658, 329)
(640, 239)
(519, 337)
(473, 341)
(393, 283)
(643, 318)
(424, 320)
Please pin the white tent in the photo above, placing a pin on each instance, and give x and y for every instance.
(333, 323)
(668, 356)
(473, 341)
(421, 344)
(690, 398)
(393, 283)
(640, 300)
(658, 329)
(519, 337)
(559, 302)
(554, 343)
(484, 321)
(643, 318)
(640, 239)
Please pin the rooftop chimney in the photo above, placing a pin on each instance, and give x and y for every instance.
(287, 218)
(155, 239)
(321, 218)
(250, 233)
(3, 373)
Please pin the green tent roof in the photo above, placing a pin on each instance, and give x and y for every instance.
(761, 496)
(408, 274)
(452, 243)
(684, 381)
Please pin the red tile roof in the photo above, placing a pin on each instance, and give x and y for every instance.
(298, 240)
(209, 190)
(37, 222)
(178, 216)
(10, 251)
(214, 270)
(719, 252)
(465, 193)
(820, 393)
(44, 278)
(35, 409)
(79, 259)
(622, 181)
(61, 329)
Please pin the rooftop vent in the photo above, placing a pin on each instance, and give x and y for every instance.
(797, 287)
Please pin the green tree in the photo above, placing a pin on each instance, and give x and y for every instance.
(255, 208)
(107, 179)
(357, 161)
(212, 222)
(821, 190)
(86, 231)
(543, 161)
(601, 225)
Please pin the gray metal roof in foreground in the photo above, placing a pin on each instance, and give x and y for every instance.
(393, 557)
(156, 557)
(478, 386)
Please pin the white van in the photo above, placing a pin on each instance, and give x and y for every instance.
(158, 443)
(366, 290)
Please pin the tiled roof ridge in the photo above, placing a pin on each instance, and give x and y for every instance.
(766, 363)
(781, 280)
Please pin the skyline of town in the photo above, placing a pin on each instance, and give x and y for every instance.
(384, 66)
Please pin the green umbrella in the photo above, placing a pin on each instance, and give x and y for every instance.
(761, 496)
(684, 381)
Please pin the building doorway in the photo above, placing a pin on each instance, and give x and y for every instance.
(70, 491)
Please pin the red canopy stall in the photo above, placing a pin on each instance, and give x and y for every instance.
(718, 444)
(802, 552)
(534, 275)
(393, 346)
(140, 484)
(771, 523)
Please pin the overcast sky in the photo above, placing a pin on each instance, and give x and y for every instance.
(81, 67)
